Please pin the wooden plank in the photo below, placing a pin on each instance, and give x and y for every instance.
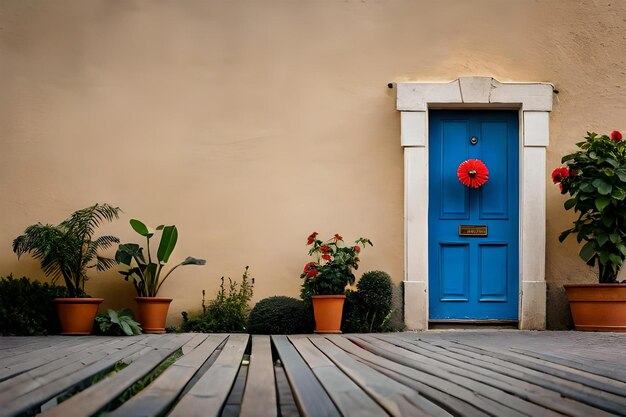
(156, 399)
(17, 364)
(97, 397)
(596, 398)
(232, 407)
(207, 397)
(286, 401)
(56, 383)
(310, 396)
(260, 390)
(395, 398)
(591, 380)
(38, 377)
(438, 389)
(347, 396)
(576, 363)
(522, 389)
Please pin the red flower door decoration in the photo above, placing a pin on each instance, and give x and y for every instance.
(473, 173)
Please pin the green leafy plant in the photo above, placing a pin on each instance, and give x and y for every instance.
(228, 312)
(69, 250)
(369, 308)
(145, 273)
(331, 271)
(281, 315)
(26, 307)
(595, 179)
(117, 323)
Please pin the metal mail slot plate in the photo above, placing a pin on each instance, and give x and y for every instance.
(476, 231)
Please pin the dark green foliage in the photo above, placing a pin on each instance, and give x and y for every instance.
(27, 307)
(368, 309)
(595, 179)
(281, 315)
(117, 323)
(68, 249)
(227, 313)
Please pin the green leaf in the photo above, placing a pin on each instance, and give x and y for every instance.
(621, 173)
(612, 162)
(569, 203)
(114, 317)
(608, 220)
(618, 193)
(587, 187)
(622, 248)
(602, 186)
(140, 228)
(564, 235)
(193, 261)
(602, 238)
(615, 237)
(168, 243)
(602, 202)
(126, 328)
(616, 260)
(587, 251)
(608, 172)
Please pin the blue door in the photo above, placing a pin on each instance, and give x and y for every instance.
(473, 233)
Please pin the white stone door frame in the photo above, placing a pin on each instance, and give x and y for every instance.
(534, 103)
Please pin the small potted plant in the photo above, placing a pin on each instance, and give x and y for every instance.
(595, 179)
(326, 278)
(145, 273)
(68, 250)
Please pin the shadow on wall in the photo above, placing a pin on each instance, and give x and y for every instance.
(558, 316)
(396, 323)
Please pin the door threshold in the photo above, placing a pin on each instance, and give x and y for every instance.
(472, 324)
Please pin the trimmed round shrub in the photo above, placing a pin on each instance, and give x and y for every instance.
(369, 308)
(281, 315)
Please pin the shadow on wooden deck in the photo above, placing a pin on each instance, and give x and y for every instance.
(459, 373)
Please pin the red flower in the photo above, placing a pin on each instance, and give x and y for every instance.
(357, 249)
(559, 173)
(326, 257)
(325, 248)
(473, 173)
(561, 188)
(309, 266)
(311, 238)
(616, 136)
(311, 273)
(338, 236)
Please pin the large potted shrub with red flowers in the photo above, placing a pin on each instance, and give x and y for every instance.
(326, 278)
(594, 177)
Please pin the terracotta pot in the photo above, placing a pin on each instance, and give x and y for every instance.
(153, 313)
(598, 307)
(327, 310)
(77, 314)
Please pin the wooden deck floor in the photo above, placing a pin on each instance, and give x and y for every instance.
(459, 373)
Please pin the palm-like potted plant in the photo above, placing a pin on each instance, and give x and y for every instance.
(69, 250)
(595, 179)
(326, 278)
(145, 273)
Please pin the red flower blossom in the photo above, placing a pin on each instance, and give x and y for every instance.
(616, 136)
(309, 266)
(338, 237)
(559, 173)
(311, 238)
(325, 248)
(357, 249)
(326, 257)
(561, 188)
(473, 173)
(311, 273)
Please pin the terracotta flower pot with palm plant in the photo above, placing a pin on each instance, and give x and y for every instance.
(145, 273)
(68, 250)
(595, 179)
(326, 278)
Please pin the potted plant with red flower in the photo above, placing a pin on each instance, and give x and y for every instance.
(326, 278)
(595, 179)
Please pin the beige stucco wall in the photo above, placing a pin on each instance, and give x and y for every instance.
(250, 124)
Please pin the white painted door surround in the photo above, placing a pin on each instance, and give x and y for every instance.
(534, 102)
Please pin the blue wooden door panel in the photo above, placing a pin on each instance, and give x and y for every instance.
(473, 277)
